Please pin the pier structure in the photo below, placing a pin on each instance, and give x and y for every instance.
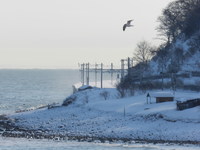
(87, 68)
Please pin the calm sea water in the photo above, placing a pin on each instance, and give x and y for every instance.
(22, 89)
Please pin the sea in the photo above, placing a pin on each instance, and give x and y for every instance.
(27, 89)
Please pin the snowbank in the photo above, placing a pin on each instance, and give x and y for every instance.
(106, 84)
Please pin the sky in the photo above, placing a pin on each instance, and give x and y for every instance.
(64, 33)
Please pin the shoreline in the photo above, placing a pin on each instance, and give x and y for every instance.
(89, 117)
(13, 131)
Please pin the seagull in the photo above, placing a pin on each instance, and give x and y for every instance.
(128, 24)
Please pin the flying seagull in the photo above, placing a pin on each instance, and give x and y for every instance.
(128, 24)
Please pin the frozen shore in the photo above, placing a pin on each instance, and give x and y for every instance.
(92, 117)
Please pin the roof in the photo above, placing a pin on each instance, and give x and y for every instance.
(84, 87)
(162, 94)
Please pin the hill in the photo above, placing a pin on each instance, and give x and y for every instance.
(91, 117)
(175, 63)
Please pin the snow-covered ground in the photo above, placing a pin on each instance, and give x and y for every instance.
(96, 114)
(105, 83)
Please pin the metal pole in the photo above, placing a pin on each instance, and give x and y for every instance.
(88, 72)
(87, 75)
(128, 67)
(122, 69)
(111, 73)
(132, 62)
(101, 75)
(96, 74)
(83, 73)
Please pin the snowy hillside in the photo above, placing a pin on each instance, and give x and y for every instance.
(174, 66)
(93, 116)
(183, 56)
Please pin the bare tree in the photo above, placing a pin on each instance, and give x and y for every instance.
(143, 52)
(163, 57)
(180, 16)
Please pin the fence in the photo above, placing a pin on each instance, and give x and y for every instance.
(188, 104)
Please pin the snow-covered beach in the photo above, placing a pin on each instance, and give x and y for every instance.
(92, 116)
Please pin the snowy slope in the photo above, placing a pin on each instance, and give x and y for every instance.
(183, 52)
(92, 115)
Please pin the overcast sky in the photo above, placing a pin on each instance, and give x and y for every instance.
(63, 33)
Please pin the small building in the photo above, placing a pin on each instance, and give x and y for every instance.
(163, 97)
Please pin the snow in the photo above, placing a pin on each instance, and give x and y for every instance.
(32, 144)
(106, 84)
(84, 87)
(129, 117)
(190, 59)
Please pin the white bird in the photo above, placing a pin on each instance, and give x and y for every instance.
(128, 24)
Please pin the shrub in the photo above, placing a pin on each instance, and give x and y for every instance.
(105, 94)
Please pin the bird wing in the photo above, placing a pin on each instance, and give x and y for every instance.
(124, 27)
(129, 21)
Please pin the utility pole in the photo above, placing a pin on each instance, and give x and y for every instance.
(97, 69)
(88, 73)
(111, 71)
(96, 74)
(101, 75)
(122, 69)
(83, 73)
(129, 67)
